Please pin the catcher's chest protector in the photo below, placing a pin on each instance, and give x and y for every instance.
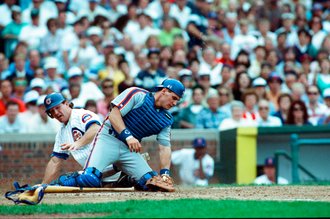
(146, 120)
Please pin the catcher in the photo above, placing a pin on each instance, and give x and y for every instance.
(135, 114)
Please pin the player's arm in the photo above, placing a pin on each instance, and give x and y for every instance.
(165, 157)
(85, 139)
(52, 170)
(118, 124)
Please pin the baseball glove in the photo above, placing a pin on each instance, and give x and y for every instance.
(30, 195)
(163, 183)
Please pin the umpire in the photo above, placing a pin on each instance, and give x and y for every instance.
(136, 113)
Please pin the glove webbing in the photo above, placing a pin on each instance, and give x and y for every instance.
(21, 189)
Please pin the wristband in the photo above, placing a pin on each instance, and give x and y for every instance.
(125, 134)
(164, 171)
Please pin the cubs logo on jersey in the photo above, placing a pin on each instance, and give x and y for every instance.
(77, 134)
(86, 117)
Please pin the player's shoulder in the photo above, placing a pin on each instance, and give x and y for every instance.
(82, 115)
(135, 90)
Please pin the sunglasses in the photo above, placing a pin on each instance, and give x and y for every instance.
(107, 86)
(224, 94)
(263, 108)
(297, 109)
(313, 93)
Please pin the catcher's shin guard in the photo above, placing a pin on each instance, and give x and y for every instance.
(91, 177)
(141, 184)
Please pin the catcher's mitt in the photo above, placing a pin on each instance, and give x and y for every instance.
(30, 195)
(163, 183)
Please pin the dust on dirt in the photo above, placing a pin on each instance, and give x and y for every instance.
(278, 193)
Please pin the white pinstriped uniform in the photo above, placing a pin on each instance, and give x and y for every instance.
(79, 121)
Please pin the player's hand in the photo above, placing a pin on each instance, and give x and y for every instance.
(134, 145)
(69, 147)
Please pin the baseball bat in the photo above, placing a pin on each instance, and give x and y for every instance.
(68, 189)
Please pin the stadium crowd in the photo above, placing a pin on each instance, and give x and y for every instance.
(244, 63)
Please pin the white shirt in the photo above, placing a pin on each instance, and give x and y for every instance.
(5, 15)
(47, 10)
(76, 127)
(38, 125)
(271, 121)
(230, 123)
(188, 165)
(182, 16)
(32, 35)
(17, 127)
(263, 179)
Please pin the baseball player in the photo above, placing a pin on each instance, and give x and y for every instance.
(79, 127)
(136, 113)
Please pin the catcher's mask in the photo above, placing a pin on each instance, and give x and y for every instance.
(173, 85)
(52, 100)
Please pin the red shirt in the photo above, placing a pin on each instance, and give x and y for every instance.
(21, 105)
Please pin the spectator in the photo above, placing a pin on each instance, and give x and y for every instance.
(19, 88)
(168, 31)
(274, 82)
(323, 77)
(112, 71)
(241, 84)
(34, 32)
(211, 117)
(6, 90)
(181, 12)
(19, 69)
(250, 100)
(260, 56)
(264, 118)
(89, 90)
(269, 176)
(187, 117)
(298, 114)
(12, 30)
(52, 78)
(284, 103)
(196, 167)
(317, 31)
(11, 122)
(227, 76)
(148, 78)
(50, 43)
(325, 119)
(236, 119)
(38, 84)
(103, 105)
(208, 63)
(6, 12)
(185, 76)
(315, 108)
(30, 99)
(40, 122)
(225, 98)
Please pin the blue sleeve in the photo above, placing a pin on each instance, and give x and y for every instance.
(89, 124)
(63, 156)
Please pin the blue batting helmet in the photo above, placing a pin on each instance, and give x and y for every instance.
(52, 100)
(173, 85)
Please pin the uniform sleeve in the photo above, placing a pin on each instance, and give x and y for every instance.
(164, 137)
(57, 151)
(209, 167)
(85, 119)
(129, 99)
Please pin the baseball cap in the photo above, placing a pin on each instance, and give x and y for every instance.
(184, 72)
(199, 142)
(37, 82)
(317, 6)
(173, 85)
(285, 16)
(31, 96)
(326, 93)
(52, 100)
(94, 31)
(259, 82)
(274, 75)
(74, 71)
(16, 8)
(35, 12)
(269, 162)
(61, 1)
(51, 62)
(41, 100)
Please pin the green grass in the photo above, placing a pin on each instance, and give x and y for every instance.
(184, 208)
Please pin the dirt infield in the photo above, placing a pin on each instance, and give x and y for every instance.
(278, 193)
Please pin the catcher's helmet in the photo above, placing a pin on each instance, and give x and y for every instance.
(52, 100)
(173, 85)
